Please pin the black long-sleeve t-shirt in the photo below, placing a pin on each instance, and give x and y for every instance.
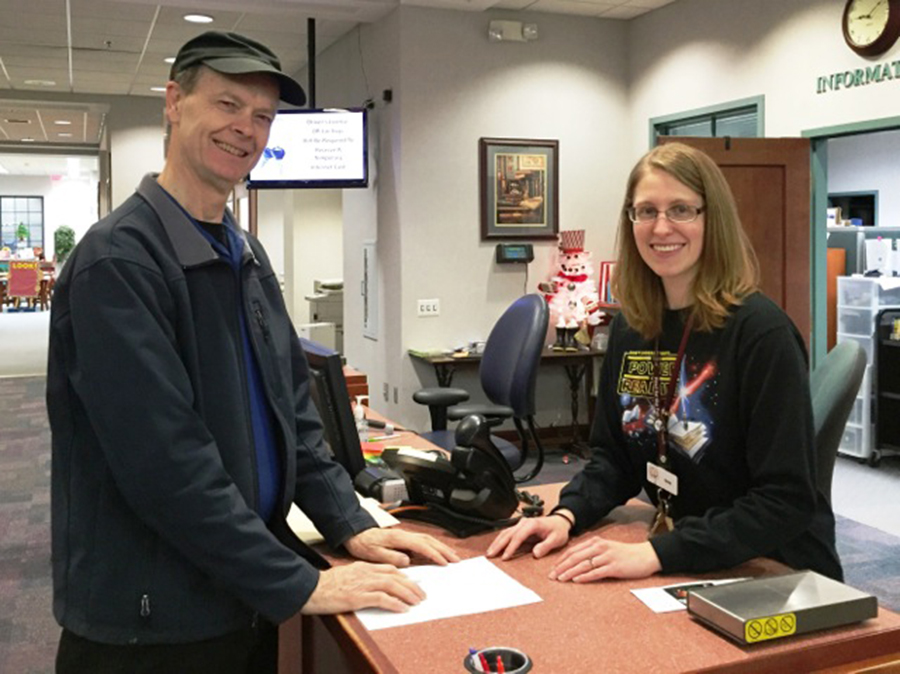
(740, 442)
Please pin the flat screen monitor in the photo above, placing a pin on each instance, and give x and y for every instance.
(329, 393)
(315, 149)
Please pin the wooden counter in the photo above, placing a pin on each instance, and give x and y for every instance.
(598, 627)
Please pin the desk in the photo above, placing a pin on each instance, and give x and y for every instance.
(579, 366)
(600, 627)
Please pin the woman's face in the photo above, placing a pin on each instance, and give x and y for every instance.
(671, 249)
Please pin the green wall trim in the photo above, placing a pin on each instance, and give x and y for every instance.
(758, 101)
(818, 340)
(853, 128)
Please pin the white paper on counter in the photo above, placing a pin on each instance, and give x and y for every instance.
(471, 586)
(664, 599)
(306, 531)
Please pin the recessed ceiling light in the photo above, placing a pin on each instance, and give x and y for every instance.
(169, 59)
(198, 18)
(13, 120)
(28, 140)
(64, 135)
(158, 89)
(40, 83)
(62, 122)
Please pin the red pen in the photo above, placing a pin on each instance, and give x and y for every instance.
(484, 663)
(500, 668)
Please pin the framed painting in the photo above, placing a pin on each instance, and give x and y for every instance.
(519, 188)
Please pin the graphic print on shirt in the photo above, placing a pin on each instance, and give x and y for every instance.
(690, 424)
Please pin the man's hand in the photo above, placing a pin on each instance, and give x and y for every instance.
(595, 558)
(362, 585)
(385, 546)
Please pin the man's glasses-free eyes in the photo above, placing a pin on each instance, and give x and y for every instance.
(680, 213)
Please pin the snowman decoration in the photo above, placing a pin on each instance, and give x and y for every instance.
(572, 294)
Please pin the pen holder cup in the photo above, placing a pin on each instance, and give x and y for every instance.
(514, 660)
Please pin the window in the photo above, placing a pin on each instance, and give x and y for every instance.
(738, 119)
(15, 211)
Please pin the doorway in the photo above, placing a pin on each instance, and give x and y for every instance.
(819, 139)
(67, 187)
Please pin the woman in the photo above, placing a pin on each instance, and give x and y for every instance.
(704, 399)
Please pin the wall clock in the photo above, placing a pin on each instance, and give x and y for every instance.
(871, 26)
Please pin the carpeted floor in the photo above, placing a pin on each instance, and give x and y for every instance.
(28, 633)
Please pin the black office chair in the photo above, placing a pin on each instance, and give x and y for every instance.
(833, 387)
(508, 373)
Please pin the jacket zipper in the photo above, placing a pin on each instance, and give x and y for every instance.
(145, 606)
(261, 320)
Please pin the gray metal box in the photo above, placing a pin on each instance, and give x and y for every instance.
(774, 607)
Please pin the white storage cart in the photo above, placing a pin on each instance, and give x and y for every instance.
(860, 303)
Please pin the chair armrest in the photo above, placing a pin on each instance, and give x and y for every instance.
(438, 399)
(440, 396)
(489, 410)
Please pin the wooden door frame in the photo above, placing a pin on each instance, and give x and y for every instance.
(819, 138)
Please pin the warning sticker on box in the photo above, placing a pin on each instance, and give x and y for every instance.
(771, 627)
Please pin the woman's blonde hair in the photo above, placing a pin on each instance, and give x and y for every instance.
(728, 269)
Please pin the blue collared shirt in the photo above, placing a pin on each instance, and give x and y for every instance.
(268, 466)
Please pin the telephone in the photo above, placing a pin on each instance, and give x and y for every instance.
(472, 491)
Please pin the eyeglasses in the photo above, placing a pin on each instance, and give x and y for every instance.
(679, 213)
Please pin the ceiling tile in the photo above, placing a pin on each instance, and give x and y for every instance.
(570, 7)
(513, 4)
(174, 16)
(110, 9)
(623, 12)
(117, 43)
(107, 62)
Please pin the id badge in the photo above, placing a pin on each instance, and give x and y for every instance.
(662, 478)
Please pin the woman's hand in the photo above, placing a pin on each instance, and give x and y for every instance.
(595, 558)
(552, 531)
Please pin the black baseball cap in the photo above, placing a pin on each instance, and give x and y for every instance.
(233, 54)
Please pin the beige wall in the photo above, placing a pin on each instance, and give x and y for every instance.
(450, 88)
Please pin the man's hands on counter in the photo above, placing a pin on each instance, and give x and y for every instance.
(362, 585)
(381, 585)
(386, 545)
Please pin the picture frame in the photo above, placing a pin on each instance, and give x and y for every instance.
(519, 181)
(607, 299)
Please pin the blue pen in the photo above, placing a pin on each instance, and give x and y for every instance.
(476, 661)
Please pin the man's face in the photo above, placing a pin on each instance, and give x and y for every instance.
(221, 127)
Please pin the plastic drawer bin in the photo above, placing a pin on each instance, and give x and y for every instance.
(865, 292)
(856, 320)
(857, 292)
(855, 441)
(856, 413)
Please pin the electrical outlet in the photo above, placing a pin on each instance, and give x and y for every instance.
(386, 391)
(429, 308)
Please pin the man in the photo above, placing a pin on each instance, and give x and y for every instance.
(181, 416)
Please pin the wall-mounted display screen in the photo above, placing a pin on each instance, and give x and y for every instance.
(316, 149)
